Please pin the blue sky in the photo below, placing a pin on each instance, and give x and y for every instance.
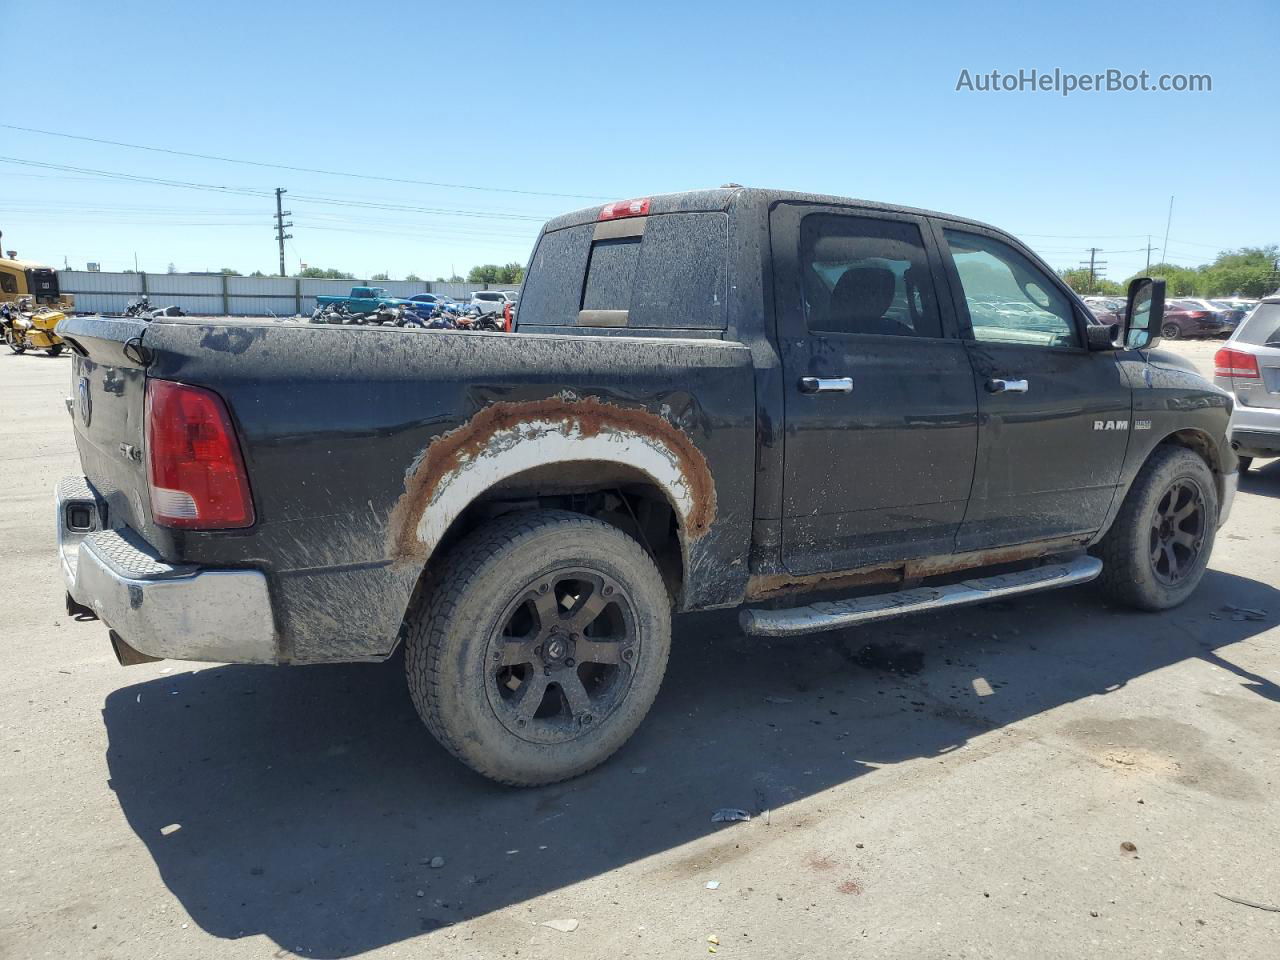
(603, 101)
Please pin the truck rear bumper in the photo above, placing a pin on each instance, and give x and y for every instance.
(157, 608)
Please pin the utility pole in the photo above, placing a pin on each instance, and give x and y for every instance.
(281, 236)
(1094, 266)
(1148, 270)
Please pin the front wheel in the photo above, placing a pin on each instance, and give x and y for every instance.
(1244, 463)
(54, 350)
(540, 647)
(1171, 331)
(1156, 551)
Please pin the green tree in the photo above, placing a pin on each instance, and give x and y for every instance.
(319, 273)
(228, 272)
(1247, 272)
(257, 273)
(1077, 279)
(380, 276)
(413, 278)
(512, 273)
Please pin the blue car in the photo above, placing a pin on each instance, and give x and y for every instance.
(431, 301)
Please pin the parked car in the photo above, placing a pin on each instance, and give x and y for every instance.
(1228, 317)
(732, 398)
(364, 300)
(1106, 309)
(1232, 312)
(489, 301)
(1249, 367)
(1183, 318)
(436, 301)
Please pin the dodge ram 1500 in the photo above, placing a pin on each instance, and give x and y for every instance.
(822, 411)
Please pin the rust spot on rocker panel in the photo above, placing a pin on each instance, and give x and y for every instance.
(450, 453)
(769, 586)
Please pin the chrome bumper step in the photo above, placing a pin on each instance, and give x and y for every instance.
(836, 614)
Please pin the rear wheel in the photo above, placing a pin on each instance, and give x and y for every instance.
(1156, 551)
(1171, 331)
(55, 349)
(541, 646)
(1244, 463)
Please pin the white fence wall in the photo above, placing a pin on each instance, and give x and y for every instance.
(217, 295)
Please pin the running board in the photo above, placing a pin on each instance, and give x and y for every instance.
(835, 614)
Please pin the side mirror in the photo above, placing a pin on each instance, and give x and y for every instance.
(1102, 336)
(1144, 313)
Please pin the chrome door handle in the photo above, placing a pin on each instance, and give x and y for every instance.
(1007, 386)
(826, 384)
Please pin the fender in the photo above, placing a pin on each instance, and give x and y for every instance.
(508, 438)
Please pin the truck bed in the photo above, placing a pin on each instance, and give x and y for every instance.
(337, 426)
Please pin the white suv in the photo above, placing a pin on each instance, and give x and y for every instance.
(1249, 366)
(489, 301)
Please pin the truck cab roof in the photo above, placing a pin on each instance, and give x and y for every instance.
(727, 198)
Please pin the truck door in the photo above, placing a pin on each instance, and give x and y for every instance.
(881, 414)
(1054, 417)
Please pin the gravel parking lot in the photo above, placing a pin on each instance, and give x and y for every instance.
(1042, 778)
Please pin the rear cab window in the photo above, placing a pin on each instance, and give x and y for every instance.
(660, 272)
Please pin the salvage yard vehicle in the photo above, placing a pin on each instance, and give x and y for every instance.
(488, 301)
(27, 326)
(822, 411)
(1185, 319)
(1249, 367)
(21, 279)
(368, 300)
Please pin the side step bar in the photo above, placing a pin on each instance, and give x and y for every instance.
(835, 614)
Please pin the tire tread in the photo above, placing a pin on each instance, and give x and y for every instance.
(426, 641)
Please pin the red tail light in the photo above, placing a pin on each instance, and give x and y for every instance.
(1237, 364)
(1197, 314)
(194, 467)
(625, 208)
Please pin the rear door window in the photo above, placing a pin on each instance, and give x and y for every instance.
(1262, 327)
(865, 275)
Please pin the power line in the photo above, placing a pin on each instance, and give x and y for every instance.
(282, 166)
(305, 198)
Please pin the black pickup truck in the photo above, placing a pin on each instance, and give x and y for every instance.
(823, 411)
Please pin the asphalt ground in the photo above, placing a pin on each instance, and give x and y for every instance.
(1048, 777)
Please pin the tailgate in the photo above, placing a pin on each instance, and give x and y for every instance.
(1269, 367)
(107, 406)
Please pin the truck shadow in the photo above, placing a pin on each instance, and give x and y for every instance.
(1263, 479)
(306, 803)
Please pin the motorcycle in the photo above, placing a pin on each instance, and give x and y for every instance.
(26, 328)
(142, 309)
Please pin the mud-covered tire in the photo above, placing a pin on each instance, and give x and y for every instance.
(463, 630)
(1130, 574)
